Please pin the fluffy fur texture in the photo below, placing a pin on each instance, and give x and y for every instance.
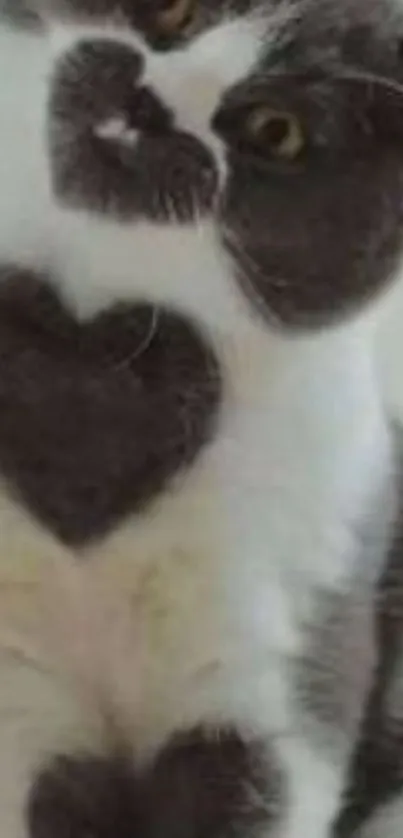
(188, 631)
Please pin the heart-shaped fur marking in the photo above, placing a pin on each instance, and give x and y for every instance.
(96, 418)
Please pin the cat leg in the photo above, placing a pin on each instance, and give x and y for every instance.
(41, 710)
(36, 716)
(215, 782)
(203, 782)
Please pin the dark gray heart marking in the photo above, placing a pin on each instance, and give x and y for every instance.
(96, 418)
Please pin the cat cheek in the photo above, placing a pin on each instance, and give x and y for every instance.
(385, 115)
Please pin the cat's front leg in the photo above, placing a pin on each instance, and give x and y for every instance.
(36, 716)
(41, 711)
(113, 150)
(203, 782)
(216, 782)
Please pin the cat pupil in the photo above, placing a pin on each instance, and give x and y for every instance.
(276, 131)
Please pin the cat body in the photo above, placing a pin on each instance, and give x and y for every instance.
(200, 483)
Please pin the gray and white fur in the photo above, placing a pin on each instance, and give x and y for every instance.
(201, 561)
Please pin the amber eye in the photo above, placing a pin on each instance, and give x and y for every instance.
(174, 15)
(276, 133)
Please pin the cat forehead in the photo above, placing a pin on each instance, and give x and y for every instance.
(348, 29)
(339, 14)
(230, 49)
(238, 34)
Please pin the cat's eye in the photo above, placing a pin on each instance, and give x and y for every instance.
(174, 16)
(276, 133)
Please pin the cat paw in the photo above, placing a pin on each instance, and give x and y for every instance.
(201, 784)
(85, 797)
(114, 146)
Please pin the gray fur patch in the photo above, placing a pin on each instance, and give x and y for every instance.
(165, 174)
(376, 770)
(96, 418)
(335, 671)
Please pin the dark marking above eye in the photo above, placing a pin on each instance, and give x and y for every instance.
(97, 418)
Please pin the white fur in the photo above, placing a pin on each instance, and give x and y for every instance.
(220, 572)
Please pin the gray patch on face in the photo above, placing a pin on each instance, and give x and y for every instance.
(152, 171)
(214, 784)
(312, 239)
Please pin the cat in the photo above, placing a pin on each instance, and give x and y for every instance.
(201, 211)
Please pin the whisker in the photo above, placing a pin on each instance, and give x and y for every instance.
(256, 271)
(355, 75)
(144, 344)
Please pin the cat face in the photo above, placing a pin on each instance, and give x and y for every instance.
(280, 122)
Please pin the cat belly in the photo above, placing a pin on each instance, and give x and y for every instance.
(93, 661)
(156, 632)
